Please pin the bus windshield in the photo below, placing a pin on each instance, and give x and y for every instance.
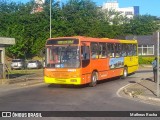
(63, 57)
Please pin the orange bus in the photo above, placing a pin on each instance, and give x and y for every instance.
(84, 60)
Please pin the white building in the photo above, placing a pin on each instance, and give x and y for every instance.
(40, 2)
(38, 7)
(111, 5)
(127, 11)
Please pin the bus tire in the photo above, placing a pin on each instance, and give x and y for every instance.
(125, 73)
(94, 78)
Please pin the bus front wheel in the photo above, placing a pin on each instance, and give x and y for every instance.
(94, 78)
(125, 73)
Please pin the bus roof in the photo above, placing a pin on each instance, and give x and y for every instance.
(90, 39)
(128, 41)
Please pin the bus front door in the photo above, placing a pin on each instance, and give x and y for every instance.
(85, 58)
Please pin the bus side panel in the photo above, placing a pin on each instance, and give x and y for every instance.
(86, 78)
(99, 65)
(102, 66)
(114, 72)
(132, 63)
(116, 66)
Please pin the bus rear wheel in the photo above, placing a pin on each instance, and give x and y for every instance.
(125, 73)
(94, 78)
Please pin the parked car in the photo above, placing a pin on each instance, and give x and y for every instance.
(18, 64)
(34, 64)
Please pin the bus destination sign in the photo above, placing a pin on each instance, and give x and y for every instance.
(62, 41)
(65, 42)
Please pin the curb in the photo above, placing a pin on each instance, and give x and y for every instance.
(148, 98)
(13, 81)
(155, 99)
(134, 94)
(147, 66)
(22, 81)
(31, 82)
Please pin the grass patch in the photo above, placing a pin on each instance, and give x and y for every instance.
(18, 73)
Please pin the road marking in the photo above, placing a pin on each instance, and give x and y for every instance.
(122, 89)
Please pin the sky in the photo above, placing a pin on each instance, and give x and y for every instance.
(149, 7)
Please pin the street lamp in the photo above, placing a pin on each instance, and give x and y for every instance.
(50, 17)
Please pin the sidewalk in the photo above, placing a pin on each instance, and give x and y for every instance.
(8, 85)
(143, 88)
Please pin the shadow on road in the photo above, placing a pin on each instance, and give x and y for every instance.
(67, 86)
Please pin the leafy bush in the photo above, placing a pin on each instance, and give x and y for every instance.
(145, 60)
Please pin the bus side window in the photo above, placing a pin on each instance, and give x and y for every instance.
(134, 50)
(130, 49)
(118, 50)
(111, 49)
(94, 50)
(102, 50)
(124, 51)
(85, 52)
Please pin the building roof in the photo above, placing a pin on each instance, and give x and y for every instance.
(143, 39)
(7, 41)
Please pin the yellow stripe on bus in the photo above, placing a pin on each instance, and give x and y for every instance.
(73, 81)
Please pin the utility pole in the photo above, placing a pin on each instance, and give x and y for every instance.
(157, 63)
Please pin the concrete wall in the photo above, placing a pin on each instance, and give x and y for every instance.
(7, 41)
(2, 49)
(4, 42)
(2, 57)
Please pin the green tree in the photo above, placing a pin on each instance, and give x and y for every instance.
(142, 25)
(80, 16)
(75, 17)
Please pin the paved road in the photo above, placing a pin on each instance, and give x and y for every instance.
(103, 97)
